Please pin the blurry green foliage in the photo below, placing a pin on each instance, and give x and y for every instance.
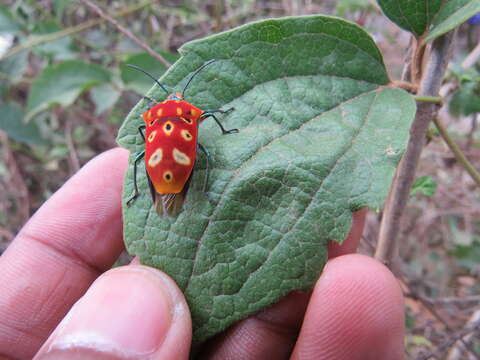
(63, 83)
(343, 7)
(12, 122)
(425, 185)
(104, 96)
(135, 80)
(8, 25)
(466, 99)
(468, 256)
(60, 49)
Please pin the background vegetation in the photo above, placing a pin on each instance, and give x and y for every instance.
(64, 91)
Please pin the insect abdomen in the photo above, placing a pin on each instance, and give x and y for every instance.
(170, 151)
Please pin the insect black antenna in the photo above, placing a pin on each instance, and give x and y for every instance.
(196, 72)
(149, 75)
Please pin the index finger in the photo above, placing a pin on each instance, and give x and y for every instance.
(74, 237)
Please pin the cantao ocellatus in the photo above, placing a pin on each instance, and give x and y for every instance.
(171, 145)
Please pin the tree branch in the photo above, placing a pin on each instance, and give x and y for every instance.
(71, 30)
(399, 193)
(126, 32)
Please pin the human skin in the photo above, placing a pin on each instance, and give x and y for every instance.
(61, 300)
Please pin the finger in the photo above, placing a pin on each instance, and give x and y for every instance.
(131, 312)
(73, 237)
(355, 312)
(353, 238)
(272, 332)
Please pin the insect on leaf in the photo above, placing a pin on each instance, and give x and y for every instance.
(320, 135)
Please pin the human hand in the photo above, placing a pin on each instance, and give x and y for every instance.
(55, 278)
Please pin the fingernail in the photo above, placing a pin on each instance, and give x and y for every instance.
(127, 313)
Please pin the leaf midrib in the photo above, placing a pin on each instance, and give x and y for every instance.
(347, 148)
(251, 158)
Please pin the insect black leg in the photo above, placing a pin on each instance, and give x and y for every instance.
(207, 169)
(220, 111)
(140, 130)
(208, 114)
(139, 157)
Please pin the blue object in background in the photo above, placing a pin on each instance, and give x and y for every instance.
(474, 20)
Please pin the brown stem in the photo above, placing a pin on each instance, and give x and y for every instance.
(417, 61)
(399, 193)
(126, 32)
(407, 68)
(405, 85)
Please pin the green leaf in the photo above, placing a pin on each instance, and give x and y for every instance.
(466, 100)
(342, 7)
(420, 340)
(135, 80)
(60, 49)
(452, 14)
(12, 123)
(8, 24)
(12, 69)
(468, 255)
(320, 137)
(62, 84)
(424, 185)
(104, 97)
(59, 7)
(414, 16)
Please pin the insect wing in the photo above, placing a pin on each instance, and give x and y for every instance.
(170, 154)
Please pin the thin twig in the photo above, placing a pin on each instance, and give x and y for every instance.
(472, 58)
(74, 162)
(429, 99)
(472, 300)
(458, 338)
(431, 308)
(473, 129)
(71, 30)
(458, 349)
(126, 32)
(405, 85)
(21, 191)
(399, 193)
(457, 151)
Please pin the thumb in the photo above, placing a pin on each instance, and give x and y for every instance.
(130, 312)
